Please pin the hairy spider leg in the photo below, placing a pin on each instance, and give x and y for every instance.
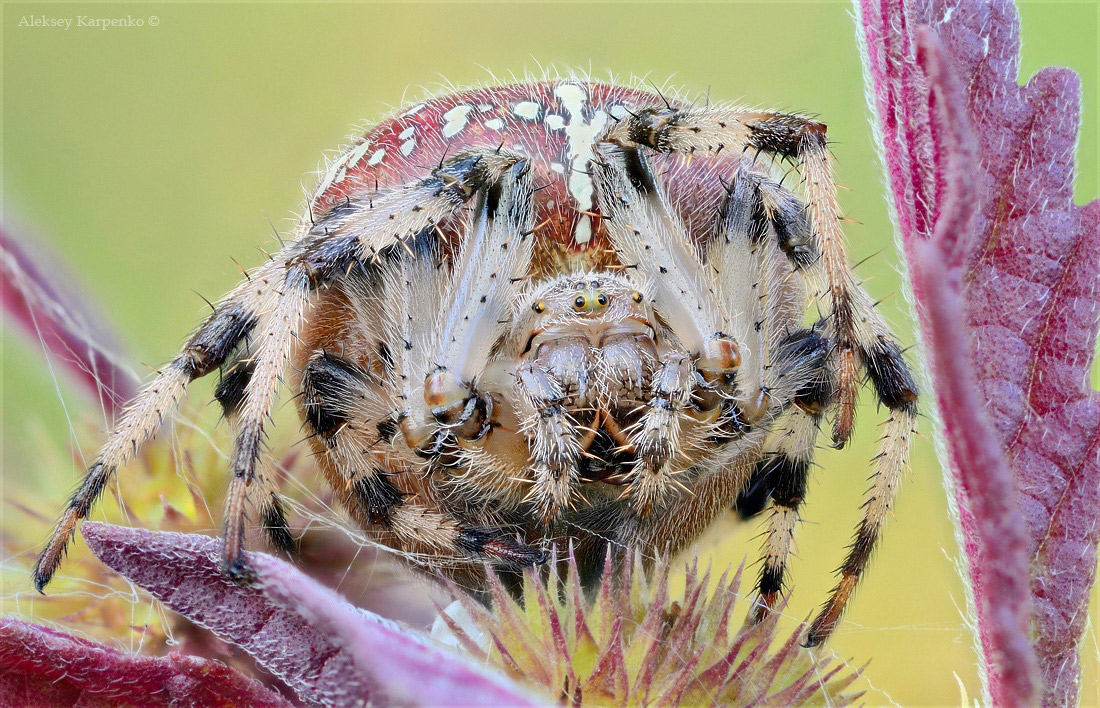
(341, 406)
(269, 306)
(427, 388)
(896, 389)
(649, 238)
(230, 394)
(861, 338)
(556, 444)
(233, 318)
(351, 234)
(788, 454)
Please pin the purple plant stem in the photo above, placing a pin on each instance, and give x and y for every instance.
(999, 565)
(34, 295)
(43, 668)
(328, 652)
(1005, 276)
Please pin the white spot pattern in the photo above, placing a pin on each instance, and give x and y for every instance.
(494, 124)
(357, 154)
(378, 156)
(339, 169)
(528, 110)
(456, 119)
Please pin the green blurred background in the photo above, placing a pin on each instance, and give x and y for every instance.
(148, 157)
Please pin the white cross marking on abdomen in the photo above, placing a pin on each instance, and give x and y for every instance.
(580, 135)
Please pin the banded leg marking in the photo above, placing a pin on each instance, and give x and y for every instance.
(895, 387)
(783, 469)
(206, 350)
(337, 394)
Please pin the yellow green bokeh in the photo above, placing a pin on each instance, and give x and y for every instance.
(148, 157)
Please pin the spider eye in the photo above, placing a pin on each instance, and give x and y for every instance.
(580, 302)
(636, 296)
(602, 299)
(539, 306)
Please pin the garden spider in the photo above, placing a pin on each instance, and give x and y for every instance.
(550, 312)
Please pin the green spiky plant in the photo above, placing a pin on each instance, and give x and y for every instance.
(632, 644)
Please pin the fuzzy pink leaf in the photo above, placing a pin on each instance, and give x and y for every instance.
(1006, 275)
(329, 652)
(43, 668)
(38, 296)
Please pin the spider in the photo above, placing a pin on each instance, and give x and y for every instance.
(551, 312)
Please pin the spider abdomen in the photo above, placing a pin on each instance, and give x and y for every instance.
(555, 125)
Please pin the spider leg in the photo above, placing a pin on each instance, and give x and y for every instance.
(895, 389)
(233, 318)
(657, 438)
(341, 405)
(893, 385)
(650, 238)
(780, 366)
(439, 331)
(230, 394)
(269, 302)
(495, 255)
(783, 468)
(757, 226)
(350, 232)
(789, 136)
(861, 338)
(556, 445)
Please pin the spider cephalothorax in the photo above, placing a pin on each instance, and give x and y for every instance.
(551, 312)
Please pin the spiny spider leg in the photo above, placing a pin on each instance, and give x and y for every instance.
(230, 393)
(860, 336)
(758, 224)
(270, 304)
(657, 437)
(352, 232)
(790, 136)
(339, 399)
(896, 389)
(788, 454)
(650, 238)
(233, 318)
(494, 257)
(556, 446)
(762, 232)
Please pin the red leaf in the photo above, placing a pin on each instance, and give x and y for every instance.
(42, 668)
(329, 652)
(1006, 274)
